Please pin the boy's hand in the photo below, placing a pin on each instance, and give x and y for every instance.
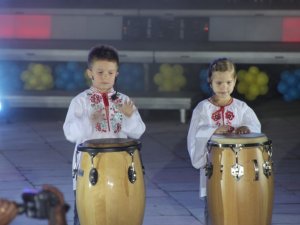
(225, 129)
(127, 108)
(96, 117)
(242, 130)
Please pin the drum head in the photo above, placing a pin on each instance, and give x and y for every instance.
(228, 139)
(109, 145)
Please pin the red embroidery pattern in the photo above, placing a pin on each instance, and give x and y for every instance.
(216, 115)
(229, 115)
(118, 128)
(99, 128)
(95, 98)
(109, 110)
(220, 119)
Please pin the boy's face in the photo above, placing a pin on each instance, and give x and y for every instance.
(103, 74)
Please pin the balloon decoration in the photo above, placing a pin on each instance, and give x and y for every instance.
(37, 77)
(204, 86)
(252, 83)
(88, 80)
(170, 78)
(70, 76)
(131, 77)
(10, 73)
(289, 85)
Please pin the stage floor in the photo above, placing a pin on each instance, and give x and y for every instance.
(33, 151)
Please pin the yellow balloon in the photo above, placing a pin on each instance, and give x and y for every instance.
(176, 79)
(253, 70)
(242, 88)
(157, 79)
(250, 97)
(168, 76)
(167, 86)
(182, 81)
(165, 69)
(40, 88)
(262, 78)
(241, 75)
(253, 90)
(32, 82)
(263, 90)
(38, 69)
(178, 69)
(249, 78)
(46, 79)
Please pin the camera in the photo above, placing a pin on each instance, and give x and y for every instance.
(37, 204)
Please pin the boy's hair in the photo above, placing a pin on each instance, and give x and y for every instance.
(103, 52)
(221, 65)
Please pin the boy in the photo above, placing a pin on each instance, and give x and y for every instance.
(101, 112)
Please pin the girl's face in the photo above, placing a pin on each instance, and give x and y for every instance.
(103, 74)
(223, 84)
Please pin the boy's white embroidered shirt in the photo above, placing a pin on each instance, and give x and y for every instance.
(94, 115)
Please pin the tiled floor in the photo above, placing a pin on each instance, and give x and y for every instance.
(34, 151)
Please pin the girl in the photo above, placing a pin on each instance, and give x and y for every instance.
(219, 114)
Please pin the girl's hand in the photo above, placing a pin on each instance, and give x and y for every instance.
(127, 108)
(242, 130)
(225, 129)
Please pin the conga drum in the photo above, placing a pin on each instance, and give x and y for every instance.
(110, 183)
(240, 179)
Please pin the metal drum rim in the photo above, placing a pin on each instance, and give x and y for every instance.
(252, 136)
(133, 144)
(215, 144)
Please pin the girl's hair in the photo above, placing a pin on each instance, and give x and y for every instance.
(103, 52)
(221, 65)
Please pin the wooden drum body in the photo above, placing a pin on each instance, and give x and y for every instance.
(240, 182)
(110, 183)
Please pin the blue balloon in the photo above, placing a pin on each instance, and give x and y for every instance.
(293, 92)
(59, 83)
(124, 69)
(72, 66)
(70, 86)
(67, 76)
(70, 76)
(203, 74)
(59, 69)
(298, 87)
(297, 72)
(285, 75)
(297, 75)
(140, 84)
(291, 81)
(78, 77)
(282, 87)
(287, 98)
(10, 76)
(204, 86)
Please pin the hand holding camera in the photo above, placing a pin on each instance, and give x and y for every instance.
(8, 211)
(47, 203)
